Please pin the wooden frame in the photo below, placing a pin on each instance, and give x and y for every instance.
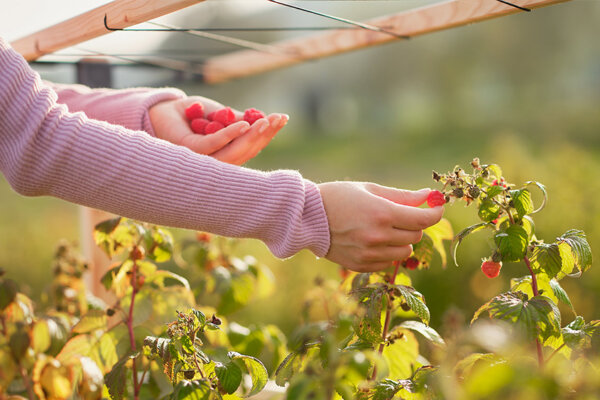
(120, 13)
(436, 17)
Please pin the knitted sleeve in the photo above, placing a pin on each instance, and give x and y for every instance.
(47, 150)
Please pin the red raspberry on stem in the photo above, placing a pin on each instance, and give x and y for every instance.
(198, 125)
(226, 116)
(411, 263)
(436, 198)
(213, 127)
(194, 111)
(490, 268)
(252, 115)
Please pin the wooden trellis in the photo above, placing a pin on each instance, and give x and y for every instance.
(261, 57)
(125, 13)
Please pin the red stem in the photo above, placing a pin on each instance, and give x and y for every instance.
(534, 288)
(129, 322)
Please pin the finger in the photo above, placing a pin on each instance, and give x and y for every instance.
(243, 148)
(385, 254)
(209, 144)
(413, 218)
(407, 197)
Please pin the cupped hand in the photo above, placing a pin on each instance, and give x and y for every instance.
(234, 144)
(371, 225)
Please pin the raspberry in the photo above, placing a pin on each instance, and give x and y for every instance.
(251, 115)
(213, 127)
(211, 116)
(501, 183)
(411, 263)
(490, 268)
(198, 125)
(436, 198)
(224, 116)
(194, 111)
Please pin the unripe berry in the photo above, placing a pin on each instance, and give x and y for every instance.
(490, 268)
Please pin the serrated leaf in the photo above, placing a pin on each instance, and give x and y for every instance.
(423, 250)
(522, 202)
(401, 356)
(415, 301)
(91, 321)
(463, 234)
(108, 226)
(8, 292)
(494, 191)
(428, 332)
(537, 316)
(255, 368)
(578, 334)
(40, 336)
(580, 248)
(230, 376)
(495, 170)
(561, 294)
(192, 390)
(523, 284)
(288, 368)
(116, 379)
(488, 210)
(551, 260)
(464, 367)
(512, 242)
(368, 327)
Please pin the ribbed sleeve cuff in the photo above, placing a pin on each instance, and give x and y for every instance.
(315, 220)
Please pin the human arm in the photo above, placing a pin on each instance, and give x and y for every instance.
(160, 113)
(46, 150)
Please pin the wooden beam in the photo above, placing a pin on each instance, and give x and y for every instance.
(419, 21)
(89, 25)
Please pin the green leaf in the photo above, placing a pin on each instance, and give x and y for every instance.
(561, 294)
(415, 301)
(91, 321)
(116, 379)
(464, 367)
(368, 327)
(160, 275)
(238, 293)
(401, 356)
(551, 260)
(19, 343)
(545, 198)
(495, 170)
(578, 334)
(438, 233)
(108, 226)
(464, 233)
(580, 248)
(537, 316)
(428, 332)
(523, 284)
(522, 202)
(40, 336)
(494, 191)
(386, 389)
(488, 210)
(192, 390)
(423, 250)
(230, 376)
(512, 242)
(255, 368)
(288, 368)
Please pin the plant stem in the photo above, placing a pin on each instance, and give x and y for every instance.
(388, 317)
(26, 382)
(129, 322)
(534, 288)
(555, 351)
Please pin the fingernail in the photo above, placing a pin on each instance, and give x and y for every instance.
(275, 120)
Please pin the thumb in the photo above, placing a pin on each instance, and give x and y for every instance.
(412, 198)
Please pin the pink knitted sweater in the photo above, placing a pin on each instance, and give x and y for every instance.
(110, 163)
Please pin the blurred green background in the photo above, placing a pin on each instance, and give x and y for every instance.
(521, 91)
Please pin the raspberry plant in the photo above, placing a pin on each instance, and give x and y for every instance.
(166, 335)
